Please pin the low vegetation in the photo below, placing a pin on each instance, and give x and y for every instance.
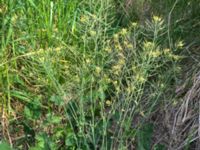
(99, 74)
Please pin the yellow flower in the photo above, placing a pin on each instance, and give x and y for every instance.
(116, 36)
(134, 68)
(58, 48)
(162, 85)
(154, 54)
(124, 31)
(130, 46)
(166, 51)
(115, 83)
(176, 57)
(97, 70)
(125, 43)
(130, 89)
(108, 49)
(134, 24)
(180, 44)
(94, 16)
(117, 88)
(14, 18)
(116, 69)
(140, 78)
(108, 80)
(93, 33)
(118, 47)
(156, 19)
(149, 45)
(108, 102)
(142, 114)
(88, 61)
(121, 62)
(84, 18)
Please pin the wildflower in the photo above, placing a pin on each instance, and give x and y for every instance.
(142, 114)
(130, 89)
(134, 24)
(154, 54)
(125, 43)
(83, 18)
(58, 48)
(115, 83)
(93, 33)
(134, 68)
(88, 61)
(117, 88)
(41, 59)
(124, 31)
(116, 36)
(180, 44)
(116, 69)
(121, 62)
(94, 16)
(108, 102)
(140, 78)
(14, 18)
(97, 70)
(108, 49)
(166, 51)
(149, 45)
(176, 57)
(156, 19)
(118, 47)
(107, 79)
(162, 85)
(129, 46)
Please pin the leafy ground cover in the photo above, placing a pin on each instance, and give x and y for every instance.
(99, 74)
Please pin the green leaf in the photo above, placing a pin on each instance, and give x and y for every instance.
(56, 119)
(28, 112)
(5, 146)
(57, 100)
(144, 137)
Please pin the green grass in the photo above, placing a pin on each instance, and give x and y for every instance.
(74, 75)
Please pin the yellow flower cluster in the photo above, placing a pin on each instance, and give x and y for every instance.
(108, 102)
(116, 69)
(149, 45)
(93, 33)
(140, 78)
(168, 53)
(134, 24)
(130, 89)
(106, 79)
(116, 37)
(128, 44)
(84, 19)
(180, 44)
(108, 49)
(116, 85)
(124, 31)
(155, 53)
(97, 70)
(157, 19)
